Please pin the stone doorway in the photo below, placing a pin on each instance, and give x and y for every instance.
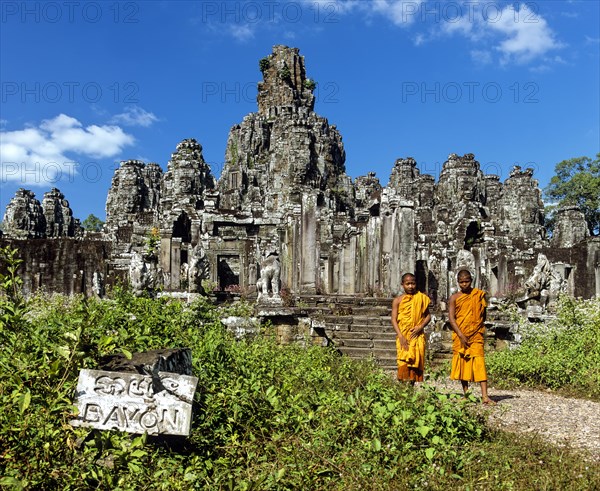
(182, 228)
(228, 272)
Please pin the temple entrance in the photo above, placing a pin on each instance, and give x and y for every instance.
(472, 235)
(183, 228)
(228, 272)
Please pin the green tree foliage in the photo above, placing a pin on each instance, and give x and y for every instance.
(577, 182)
(92, 223)
(12, 304)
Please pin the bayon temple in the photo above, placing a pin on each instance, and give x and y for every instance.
(284, 217)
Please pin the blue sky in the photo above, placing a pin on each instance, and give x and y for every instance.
(85, 85)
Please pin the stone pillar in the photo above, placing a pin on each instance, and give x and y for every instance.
(407, 236)
(386, 249)
(309, 263)
(373, 231)
(362, 253)
(348, 267)
(165, 257)
(402, 259)
(175, 263)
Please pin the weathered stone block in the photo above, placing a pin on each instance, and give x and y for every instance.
(177, 360)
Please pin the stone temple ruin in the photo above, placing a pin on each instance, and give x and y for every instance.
(285, 216)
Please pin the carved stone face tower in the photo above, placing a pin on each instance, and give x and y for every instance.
(285, 149)
(284, 83)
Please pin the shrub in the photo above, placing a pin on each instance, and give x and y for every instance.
(266, 416)
(563, 354)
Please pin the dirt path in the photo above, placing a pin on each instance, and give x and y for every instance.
(559, 420)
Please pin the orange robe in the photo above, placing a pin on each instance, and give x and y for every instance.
(468, 364)
(411, 312)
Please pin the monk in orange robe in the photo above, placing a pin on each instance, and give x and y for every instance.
(466, 313)
(410, 315)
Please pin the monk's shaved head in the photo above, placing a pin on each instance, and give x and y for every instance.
(464, 273)
(408, 276)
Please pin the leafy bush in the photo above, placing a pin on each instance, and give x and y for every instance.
(266, 416)
(564, 354)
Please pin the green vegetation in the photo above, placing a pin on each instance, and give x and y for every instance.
(284, 73)
(577, 182)
(266, 416)
(310, 84)
(263, 64)
(153, 241)
(92, 223)
(565, 354)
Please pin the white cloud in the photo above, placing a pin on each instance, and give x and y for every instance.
(134, 116)
(527, 35)
(515, 33)
(419, 39)
(241, 32)
(400, 12)
(43, 154)
(481, 57)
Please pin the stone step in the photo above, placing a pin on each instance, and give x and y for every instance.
(388, 344)
(367, 322)
(371, 320)
(354, 343)
(382, 351)
(362, 353)
(365, 331)
(343, 334)
(381, 329)
(344, 300)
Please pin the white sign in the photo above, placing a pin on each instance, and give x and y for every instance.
(159, 404)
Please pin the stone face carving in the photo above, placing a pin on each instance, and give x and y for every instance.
(521, 207)
(285, 149)
(58, 215)
(466, 260)
(186, 179)
(570, 227)
(134, 194)
(24, 217)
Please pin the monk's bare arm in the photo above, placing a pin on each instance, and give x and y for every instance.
(452, 320)
(395, 305)
(420, 327)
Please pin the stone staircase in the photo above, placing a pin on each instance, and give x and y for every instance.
(358, 327)
(361, 328)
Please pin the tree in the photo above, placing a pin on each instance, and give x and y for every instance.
(92, 223)
(577, 182)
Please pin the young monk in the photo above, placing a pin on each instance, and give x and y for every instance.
(410, 315)
(466, 312)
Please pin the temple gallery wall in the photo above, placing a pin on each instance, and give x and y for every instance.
(285, 215)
